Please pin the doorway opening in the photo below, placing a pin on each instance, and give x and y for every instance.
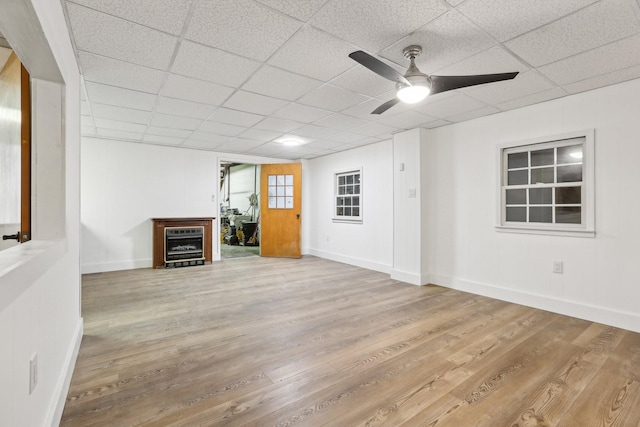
(239, 210)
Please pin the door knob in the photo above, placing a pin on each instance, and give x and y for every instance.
(298, 216)
(15, 237)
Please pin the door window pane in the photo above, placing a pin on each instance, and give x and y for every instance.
(280, 191)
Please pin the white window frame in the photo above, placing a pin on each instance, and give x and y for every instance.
(354, 219)
(587, 226)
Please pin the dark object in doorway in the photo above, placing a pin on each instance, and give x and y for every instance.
(232, 236)
(250, 231)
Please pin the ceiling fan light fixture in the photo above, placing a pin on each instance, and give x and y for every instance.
(413, 94)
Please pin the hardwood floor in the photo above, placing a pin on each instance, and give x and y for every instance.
(310, 342)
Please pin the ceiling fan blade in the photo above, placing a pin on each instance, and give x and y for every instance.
(445, 83)
(378, 67)
(384, 107)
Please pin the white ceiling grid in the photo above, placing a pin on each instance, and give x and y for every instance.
(237, 75)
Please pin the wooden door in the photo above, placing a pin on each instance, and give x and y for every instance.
(280, 210)
(15, 152)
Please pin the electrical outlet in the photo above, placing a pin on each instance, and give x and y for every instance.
(557, 267)
(412, 192)
(33, 373)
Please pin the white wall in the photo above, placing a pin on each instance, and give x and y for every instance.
(40, 280)
(600, 280)
(124, 185)
(370, 244)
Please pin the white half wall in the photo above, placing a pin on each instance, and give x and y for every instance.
(600, 281)
(40, 279)
(370, 244)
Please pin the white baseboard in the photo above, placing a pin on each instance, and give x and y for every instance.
(607, 316)
(64, 381)
(115, 266)
(411, 278)
(358, 262)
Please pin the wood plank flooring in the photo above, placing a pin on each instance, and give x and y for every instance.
(310, 342)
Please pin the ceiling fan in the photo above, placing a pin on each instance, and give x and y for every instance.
(414, 85)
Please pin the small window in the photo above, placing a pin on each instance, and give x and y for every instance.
(348, 196)
(546, 186)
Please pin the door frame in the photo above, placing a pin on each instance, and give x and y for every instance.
(230, 158)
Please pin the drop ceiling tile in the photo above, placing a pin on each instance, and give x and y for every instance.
(281, 84)
(324, 144)
(376, 129)
(364, 109)
(535, 98)
(222, 128)
(176, 133)
(87, 121)
(241, 26)
(445, 41)
(341, 121)
(302, 10)
(301, 113)
(176, 122)
(118, 125)
(165, 140)
(505, 19)
(260, 135)
(604, 80)
(362, 80)
(278, 125)
(179, 107)
(368, 141)
(346, 137)
(113, 95)
(602, 60)
(165, 15)
(454, 2)
(314, 53)
(450, 106)
(234, 117)
(376, 25)
(332, 98)
(85, 110)
(523, 85)
(203, 145)
(119, 134)
(208, 137)
(112, 72)
(87, 130)
(481, 112)
(239, 145)
(407, 120)
(214, 65)
(596, 25)
(436, 124)
(268, 149)
(314, 132)
(491, 61)
(121, 114)
(195, 90)
(106, 35)
(254, 103)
